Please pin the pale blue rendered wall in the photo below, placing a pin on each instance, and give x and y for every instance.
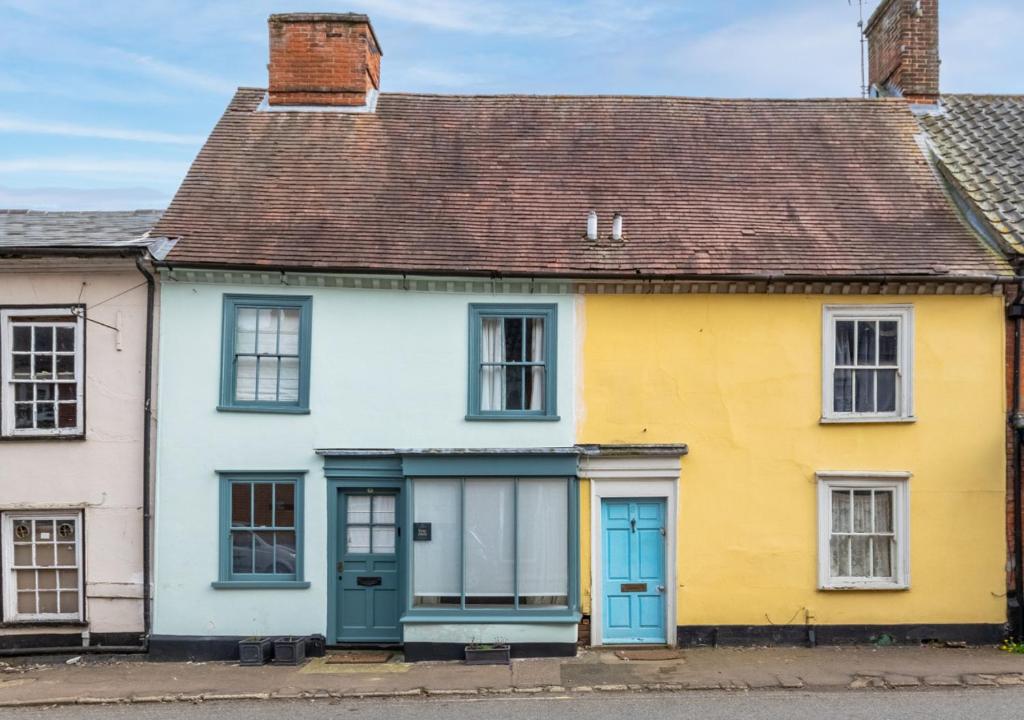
(388, 371)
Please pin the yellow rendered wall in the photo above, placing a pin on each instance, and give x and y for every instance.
(738, 378)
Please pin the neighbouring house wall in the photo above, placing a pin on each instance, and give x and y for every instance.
(102, 474)
(388, 370)
(738, 378)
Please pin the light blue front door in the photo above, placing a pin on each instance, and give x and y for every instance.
(633, 540)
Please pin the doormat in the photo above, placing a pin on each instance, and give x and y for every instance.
(653, 654)
(366, 657)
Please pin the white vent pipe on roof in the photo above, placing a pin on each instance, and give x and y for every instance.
(617, 226)
(592, 225)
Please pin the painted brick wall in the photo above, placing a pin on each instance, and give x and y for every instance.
(322, 60)
(903, 47)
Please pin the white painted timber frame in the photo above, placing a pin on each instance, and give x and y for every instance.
(899, 483)
(655, 476)
(904, 317)
(46, 315)
(10, 599)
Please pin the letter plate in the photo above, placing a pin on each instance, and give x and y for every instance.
(367, 581)
(633, 587)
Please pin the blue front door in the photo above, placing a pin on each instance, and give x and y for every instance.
(633, 540)
(368, 572)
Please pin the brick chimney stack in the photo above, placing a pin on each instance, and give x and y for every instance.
(903, 49)
(329, 59)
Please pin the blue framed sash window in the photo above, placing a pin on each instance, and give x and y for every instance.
(266, 353)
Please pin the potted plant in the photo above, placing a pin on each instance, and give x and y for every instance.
(254, 651)
(496, 653)
(289, 650)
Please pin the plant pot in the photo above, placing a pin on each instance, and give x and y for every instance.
(289, 650)
(487, 654)
(255, 651)
(316, 646)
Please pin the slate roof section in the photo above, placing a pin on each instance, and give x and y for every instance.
(501, 185)
(979, 140)
(41, 229)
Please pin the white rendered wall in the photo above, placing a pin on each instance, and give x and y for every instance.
(102, 474)
(389, 370)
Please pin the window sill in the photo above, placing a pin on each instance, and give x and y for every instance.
(260, 584)
(841, 587)
(855, 420)
(502, 417)
(51, 624)
(34, 437)
(481, 617)
(285, 410)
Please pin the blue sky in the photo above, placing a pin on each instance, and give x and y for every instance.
(104, 103)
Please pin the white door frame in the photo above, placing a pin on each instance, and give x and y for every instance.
(635, 476)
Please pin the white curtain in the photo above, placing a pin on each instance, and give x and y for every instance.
(537, 372)
(543, 528)
(488, 537)
(436, 570)
(492, 350)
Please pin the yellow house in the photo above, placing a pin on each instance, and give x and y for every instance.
(808, 506)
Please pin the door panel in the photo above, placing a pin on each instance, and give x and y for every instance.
(633, 575)
(368, 576)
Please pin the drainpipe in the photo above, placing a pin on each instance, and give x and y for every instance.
(147, 438)
(1016, 421)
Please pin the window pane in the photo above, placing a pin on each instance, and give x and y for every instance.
(66, 555)
(263, 505)
(266, 337)
(359, 509)
(66, 367)
(46, 579)
(289, 380)
(68, 602)
(23, 415)
(285, 558)
(284, 505)
(22, 338)
(266, 390)
(840, 511)
(241, 552)
(844, 342)
(383, 540)
(245, 378)
(839, 551)
(358, 539)
(263, 555)
(535, 339)
(45, 391)
(883, 511)
(67, 391)
(888, 342)
(543, 528)
(289, 336)
(43, 366)
(514, 339)
(44, 530)
(514, 388)
(42, 338)
(842, 391)
(862, 511)
(65, 339)
(886, 390)
(488, 541)
(864, 382)
(27, 603)
(67, 415)
(866, 343)
(48, 603)
(45, 416)
(535, 388)
(882, 556)
(436, 570)
(45, 555)
(241, 505)
(384, 509)
(860, 546)
(245, 330)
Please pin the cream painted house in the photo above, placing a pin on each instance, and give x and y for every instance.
(77, 308)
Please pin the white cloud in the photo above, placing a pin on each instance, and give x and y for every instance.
(84, 165)
(10, 124)
(66, 198)
(808, 52)
(169, 72)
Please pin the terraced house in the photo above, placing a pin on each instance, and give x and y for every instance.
(443, 370)
(77, 311)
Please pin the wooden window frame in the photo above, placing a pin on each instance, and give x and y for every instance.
(51, 316)
(227, 580)
(899, 484)
(549, 314)
(10, 594)
(232, 303)
(903, 315)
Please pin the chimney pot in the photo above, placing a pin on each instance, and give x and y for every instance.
(330, 59)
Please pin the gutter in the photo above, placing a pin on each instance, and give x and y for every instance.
(147, 442)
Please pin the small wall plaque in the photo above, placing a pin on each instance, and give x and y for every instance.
(421, 532)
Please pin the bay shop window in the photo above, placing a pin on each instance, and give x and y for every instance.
(495, 544)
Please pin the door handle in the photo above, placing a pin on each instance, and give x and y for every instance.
(341, 566)
(632, 524)
(661, 588)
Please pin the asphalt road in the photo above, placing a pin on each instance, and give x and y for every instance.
(977, 704)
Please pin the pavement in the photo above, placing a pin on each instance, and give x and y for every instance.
(950, 704)
(90, 680)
